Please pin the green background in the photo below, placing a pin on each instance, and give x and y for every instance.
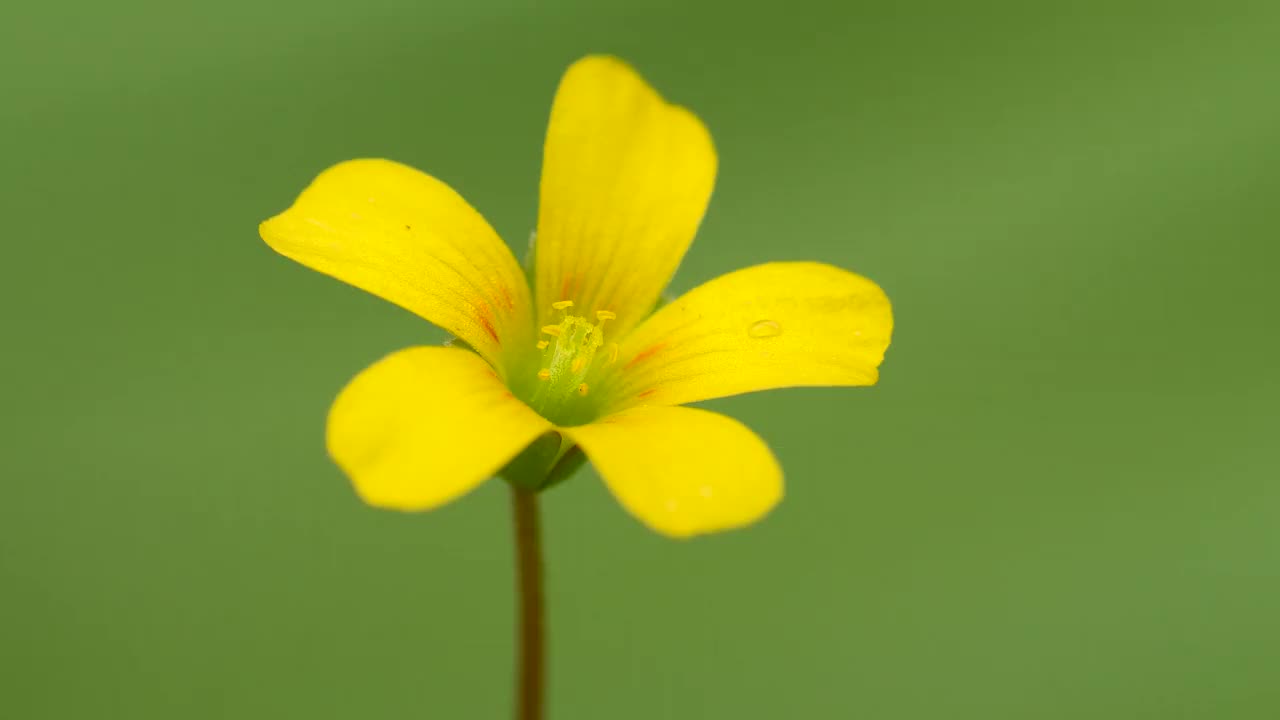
(1060, 502)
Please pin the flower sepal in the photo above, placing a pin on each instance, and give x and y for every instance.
(548, 461)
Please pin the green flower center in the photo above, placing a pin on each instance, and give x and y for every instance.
(571, 356)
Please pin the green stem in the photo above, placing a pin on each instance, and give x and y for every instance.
(531, 663)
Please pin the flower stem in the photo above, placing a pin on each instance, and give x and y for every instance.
(531, 662)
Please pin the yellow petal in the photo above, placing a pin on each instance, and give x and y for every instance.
(409, 238)
(683, 471)
(625, 182)
(767, 326)
(425, 425)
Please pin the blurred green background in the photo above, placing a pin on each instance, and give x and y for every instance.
(1060, 502)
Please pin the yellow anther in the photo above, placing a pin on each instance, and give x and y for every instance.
(562, 304)
(542, 344)
(603, 315)
(552, 330)
(544, 374)
(576, 365)
(582, 389)
(613, 353)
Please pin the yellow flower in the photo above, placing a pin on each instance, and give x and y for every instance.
(625, 182)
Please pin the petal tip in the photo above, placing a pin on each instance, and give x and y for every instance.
(602, 63)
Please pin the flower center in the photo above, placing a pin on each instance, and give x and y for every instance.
(571, 356)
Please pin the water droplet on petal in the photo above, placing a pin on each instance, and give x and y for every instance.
(764, 329)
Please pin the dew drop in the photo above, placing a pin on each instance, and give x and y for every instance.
(764, 329)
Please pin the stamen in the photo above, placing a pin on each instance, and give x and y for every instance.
(568, 350)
